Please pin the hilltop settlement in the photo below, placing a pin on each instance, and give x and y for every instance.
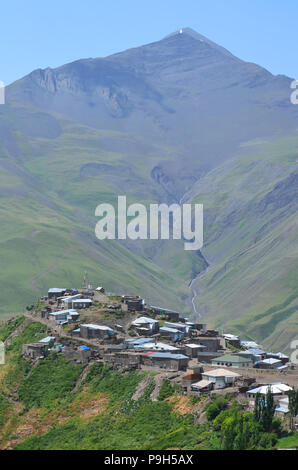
(90, 325)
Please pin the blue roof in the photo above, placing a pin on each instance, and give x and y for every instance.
(168, 355)
(257, 352)
(65, 312)
(85, 348)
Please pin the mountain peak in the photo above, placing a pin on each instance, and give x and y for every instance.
(187, 31)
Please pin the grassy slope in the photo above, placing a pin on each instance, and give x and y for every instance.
(49, 239)
(49, 406)
(37, 410)
(250, 286)
(48, 230)
(290, 442)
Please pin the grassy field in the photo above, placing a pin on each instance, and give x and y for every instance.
(289, 442)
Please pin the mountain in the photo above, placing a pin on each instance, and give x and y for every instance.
(180, 119)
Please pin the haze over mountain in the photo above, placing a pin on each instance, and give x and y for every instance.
(178, 119)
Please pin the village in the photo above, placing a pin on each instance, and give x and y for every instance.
(89, 325)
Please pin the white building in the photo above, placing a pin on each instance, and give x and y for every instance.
(146, 323)
(220, 378)
(277, 389)
(64, 316)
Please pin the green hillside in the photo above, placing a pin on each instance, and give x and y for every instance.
(50, 239)
(60, 405)
(178, 120)
(251, 244)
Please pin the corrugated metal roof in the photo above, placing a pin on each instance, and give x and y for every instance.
(270, 361)
(55, 290)
(275, 389)
(142, 320)
(139, 340)
(165, 355)
(157, 346)
(163, 309)
(97, 327)
(220, 373)
(257, 352)
(177, 325)
(201, 384)
(170, 330)
(47, 339)
(230, 358)
(64, 312)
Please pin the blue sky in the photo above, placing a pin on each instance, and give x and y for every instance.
(35, 34)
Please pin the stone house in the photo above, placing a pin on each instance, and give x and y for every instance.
(168, 361)
(92, 331)
(54, 293)
(33, 350)
(220, 378)
(232, 360)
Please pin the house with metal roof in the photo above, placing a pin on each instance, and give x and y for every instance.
(157, 346)
(67, 301)
(284, 359)
(47, 340)
(170, 314)
(64, 316)
(254, 354)
(92, 331)
(178, 326)
(166, 360)
(277, 389)
(202, 386)
(232, 360)
(172, 333)
(250, 344)
(55, 292)
(193, 349)
(81, 303)
(269, 363)
(132, 342)
(146, 323)
(34, 350)
(221, 378)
